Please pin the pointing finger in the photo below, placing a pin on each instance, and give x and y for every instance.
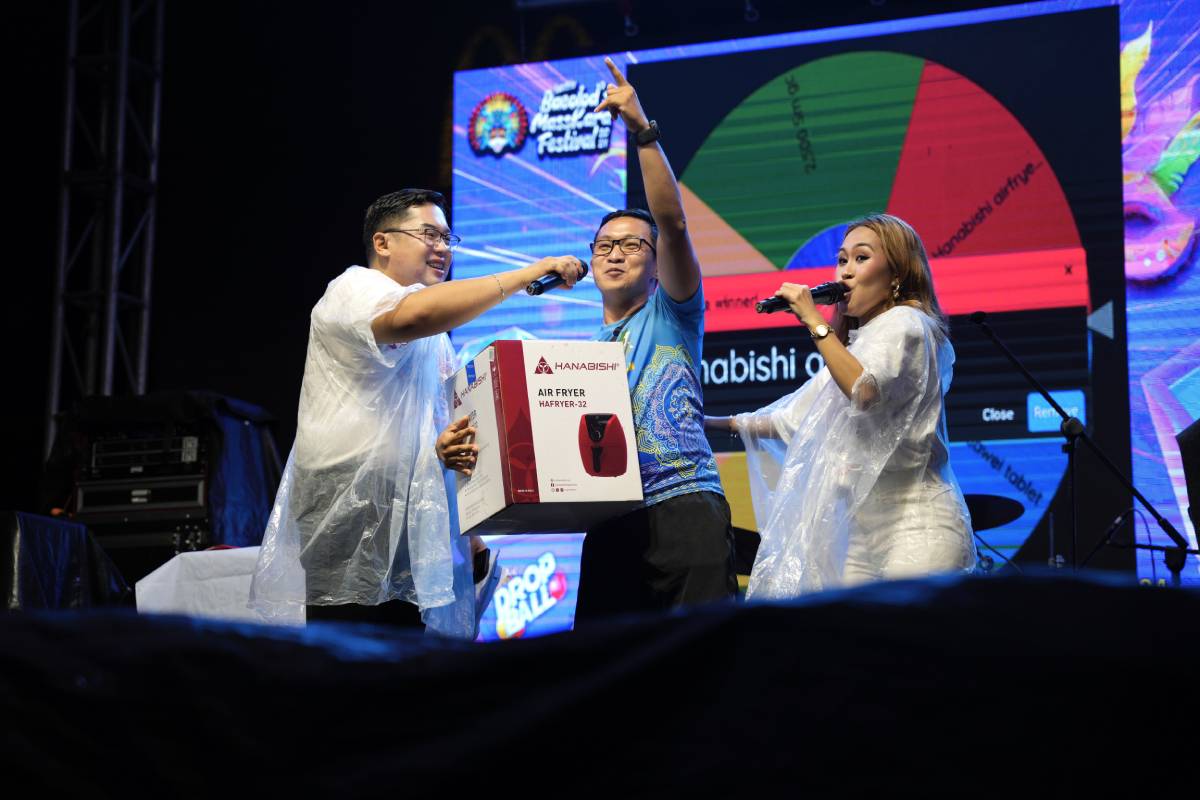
(616, 73)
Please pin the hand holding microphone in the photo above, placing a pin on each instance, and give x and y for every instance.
(825, 294)
(557, 271)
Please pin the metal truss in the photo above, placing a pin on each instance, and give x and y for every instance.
(109, 185)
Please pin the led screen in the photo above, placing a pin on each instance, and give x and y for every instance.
(1047, 173)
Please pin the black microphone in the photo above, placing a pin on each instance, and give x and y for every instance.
(826, 295)
(548, 282)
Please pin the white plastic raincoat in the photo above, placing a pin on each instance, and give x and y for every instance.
(850, 489)
(362, 514)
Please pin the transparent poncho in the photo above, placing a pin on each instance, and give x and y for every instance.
(851, 488)
(362, 514)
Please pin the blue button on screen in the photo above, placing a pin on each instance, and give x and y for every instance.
(1042, 416)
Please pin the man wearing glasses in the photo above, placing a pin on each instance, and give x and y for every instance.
(361, 527)
(678, 549)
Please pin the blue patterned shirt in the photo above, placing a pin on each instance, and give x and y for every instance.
(663, 343)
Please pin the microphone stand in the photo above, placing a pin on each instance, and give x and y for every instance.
(1073, 431)
(1110, 534)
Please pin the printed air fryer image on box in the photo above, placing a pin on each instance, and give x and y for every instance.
(602, 445)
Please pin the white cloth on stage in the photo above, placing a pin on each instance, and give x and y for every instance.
(855, 488)
(206, 583)
(362, 514)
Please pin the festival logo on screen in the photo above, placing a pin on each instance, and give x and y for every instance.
(566, 125)
(498, 124)
(524, 598)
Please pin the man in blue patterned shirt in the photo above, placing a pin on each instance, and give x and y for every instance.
(678, 549)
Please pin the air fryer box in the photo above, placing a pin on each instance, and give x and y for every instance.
(557, 452)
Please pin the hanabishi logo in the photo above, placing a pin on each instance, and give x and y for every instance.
(586, 366)
(474, 383)
(542, 367)
(498, 124)
(525, 597)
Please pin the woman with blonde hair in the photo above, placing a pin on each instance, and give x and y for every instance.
(851, 474)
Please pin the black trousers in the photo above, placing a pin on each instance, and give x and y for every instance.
(396, 613)
(675, 553)
(340, 529)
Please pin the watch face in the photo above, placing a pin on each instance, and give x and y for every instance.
(820, 332)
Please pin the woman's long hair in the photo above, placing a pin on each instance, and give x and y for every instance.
(906, 257)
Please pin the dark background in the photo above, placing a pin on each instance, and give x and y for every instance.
(280, 123)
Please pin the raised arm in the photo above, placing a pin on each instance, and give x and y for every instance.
(678, 269)
(445, 306)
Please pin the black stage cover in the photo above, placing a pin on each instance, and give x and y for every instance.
(945, 685)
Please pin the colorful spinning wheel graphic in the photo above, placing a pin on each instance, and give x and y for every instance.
(773, 184)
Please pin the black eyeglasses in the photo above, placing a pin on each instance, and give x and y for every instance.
(430, 236)
(629, 245)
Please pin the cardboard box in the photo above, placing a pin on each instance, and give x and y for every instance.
(555, 431)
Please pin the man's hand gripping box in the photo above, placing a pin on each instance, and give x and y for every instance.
(557, 451)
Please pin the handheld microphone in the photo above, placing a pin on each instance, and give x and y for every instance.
(548, 282)
(825, 294)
